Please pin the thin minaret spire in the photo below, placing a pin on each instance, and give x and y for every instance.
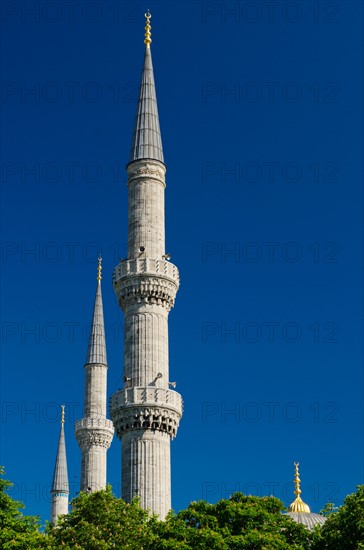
(146, 413)
(94, 432)
(147, 140)
(60, 488)
(96, 351)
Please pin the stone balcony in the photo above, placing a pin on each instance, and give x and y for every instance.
(139, 408)
(149, 396)
(146, 266)
(94, 423)
(97, 431)
(146, 281)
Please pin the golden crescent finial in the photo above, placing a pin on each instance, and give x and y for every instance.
(148, 28)
(62, 414)
(99, 269)
(297, 480)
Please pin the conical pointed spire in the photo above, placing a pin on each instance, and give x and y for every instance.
(96, 352)
(147, 140)
(60, 476)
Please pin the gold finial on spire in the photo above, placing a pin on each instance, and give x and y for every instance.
(297, 481)
(148, 28)
(62, 414)
(99, 269)
(298, 505)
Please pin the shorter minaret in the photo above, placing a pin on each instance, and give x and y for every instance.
(94, 432)
(60, 488)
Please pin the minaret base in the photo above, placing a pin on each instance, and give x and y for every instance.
(146, 470)
(59, 506)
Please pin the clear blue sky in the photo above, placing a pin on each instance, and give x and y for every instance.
(272, 92)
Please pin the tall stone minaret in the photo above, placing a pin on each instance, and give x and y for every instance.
(60, 488)
(95, 432)
(146, 413)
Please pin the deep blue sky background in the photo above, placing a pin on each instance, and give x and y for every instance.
(297, 400)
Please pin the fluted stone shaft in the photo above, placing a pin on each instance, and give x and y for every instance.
(146, 413)
(59, 506)
(146, 214)
(95, 391)
(146, 346)
(146, 463)
(146, 417)
(93, 468)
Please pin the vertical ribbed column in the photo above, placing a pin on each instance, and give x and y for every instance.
(146, 470)
(146, 346)
(95, 390)
(146, 285)
(146, 218)
(93, 468)
(59, 506)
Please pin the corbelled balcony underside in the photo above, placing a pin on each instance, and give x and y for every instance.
(140, 408)
(146, 281)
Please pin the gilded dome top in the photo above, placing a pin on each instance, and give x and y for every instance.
(299, 506)
(299, 511)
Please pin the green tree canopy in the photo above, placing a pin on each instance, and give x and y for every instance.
(344, 529)
(241, 522)
(17, 530)
(100, 521)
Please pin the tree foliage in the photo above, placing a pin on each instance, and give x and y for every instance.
(17, 530)
(241, 522)
(344, 529)
(100, 521)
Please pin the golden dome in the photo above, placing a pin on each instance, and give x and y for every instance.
(299, 506)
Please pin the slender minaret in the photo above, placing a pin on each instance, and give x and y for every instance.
(60, 488)
(95, 432)
(146, 413)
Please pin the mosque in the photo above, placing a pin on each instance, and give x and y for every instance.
(146, 413)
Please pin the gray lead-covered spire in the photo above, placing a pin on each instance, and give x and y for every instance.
(60, 488)
(96, 352)
(147, 140)
(60, 476)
